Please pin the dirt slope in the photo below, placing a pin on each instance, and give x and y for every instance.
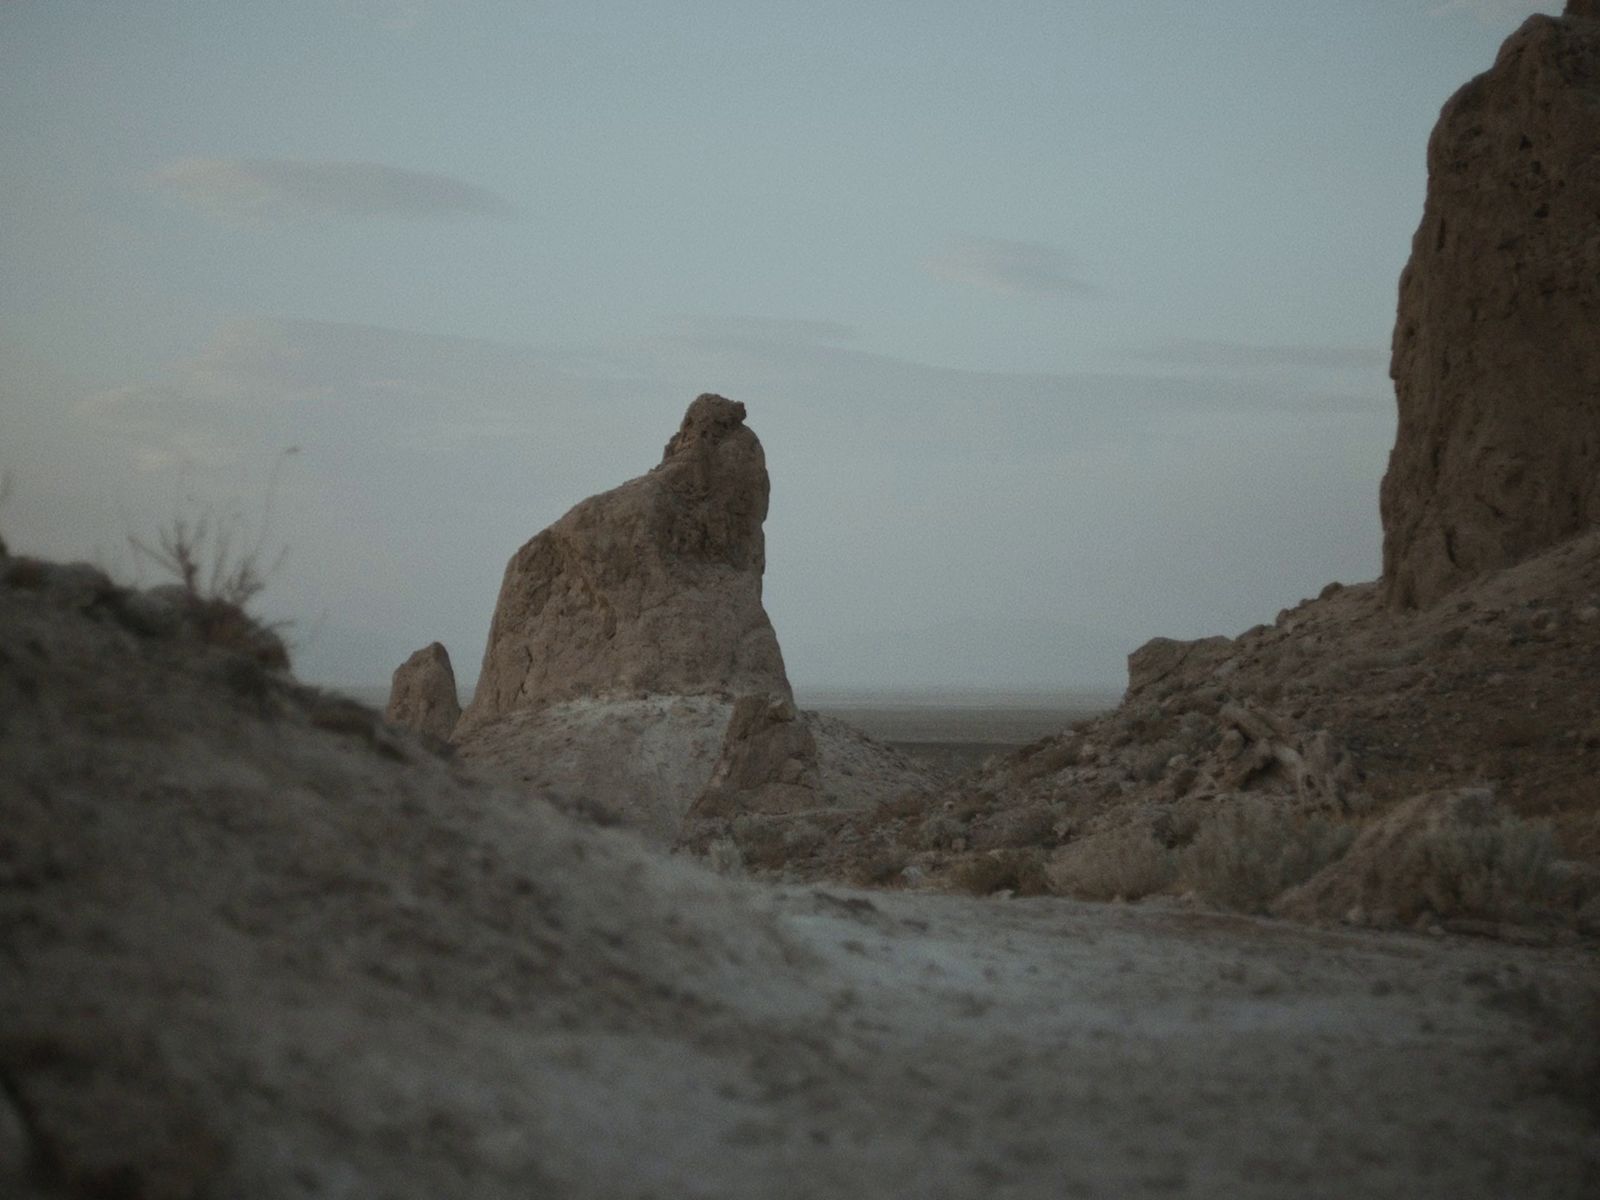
(258, 943)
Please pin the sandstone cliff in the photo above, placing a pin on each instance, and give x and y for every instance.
(1496, 356)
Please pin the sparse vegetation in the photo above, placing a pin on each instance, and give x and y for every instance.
(1018, 871)
(219, 579)
(1122, 864)
(202, 553)
(1499, 869)
(1254, 849)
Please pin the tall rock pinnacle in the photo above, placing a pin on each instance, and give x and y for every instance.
(1496, 356)
(652, 587)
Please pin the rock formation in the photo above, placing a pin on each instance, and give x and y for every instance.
(768, 762)
(422, 695)
(1496, 356)
(651, 588)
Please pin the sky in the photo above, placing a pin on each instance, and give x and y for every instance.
(1064, 324)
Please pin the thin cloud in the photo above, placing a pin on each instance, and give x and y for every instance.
(276, 189)
(1242, 356)
(1010, 268)
(777, 329)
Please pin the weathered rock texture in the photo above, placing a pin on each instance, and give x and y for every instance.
(768, 762)
(422, 695)
(1496, 356)
(652, 587)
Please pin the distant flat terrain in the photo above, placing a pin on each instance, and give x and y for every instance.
(957, 727)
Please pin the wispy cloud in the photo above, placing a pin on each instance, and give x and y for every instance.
(777, 329)
(277, 189)
(1010, 268)
(1242, 356)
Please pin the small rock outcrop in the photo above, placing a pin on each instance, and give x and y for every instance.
(422, 695)
(1162, 664)
(1496, 355)
(651, 588)
(768, 762)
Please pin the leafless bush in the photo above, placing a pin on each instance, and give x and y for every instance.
(1255, 848)
(200, 555)
(205, 556)
(221, 570)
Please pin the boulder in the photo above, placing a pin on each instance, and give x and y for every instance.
(1495, 360)
(422, 695)
(768, 762)
(651, 588)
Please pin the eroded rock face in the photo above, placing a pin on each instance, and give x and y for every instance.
(1496, 355)
(422, 695)
(1165, 664)
(768, 762)
(651, 588)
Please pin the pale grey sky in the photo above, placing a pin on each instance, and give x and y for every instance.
(1064, 325)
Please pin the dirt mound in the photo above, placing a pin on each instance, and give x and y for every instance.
(1496, 363)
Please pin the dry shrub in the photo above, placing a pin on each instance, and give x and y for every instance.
(1044, 757)
(1499, 869)
(1019, 871)
(899, 808)
(1255, 848)
(881, 866)
(1016, 828)
(1452, 855)
(221, 569)
(1123, 864)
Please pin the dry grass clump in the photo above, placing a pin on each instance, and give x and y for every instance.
(1123, 864)
(1253, 849)
(1021, 872)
